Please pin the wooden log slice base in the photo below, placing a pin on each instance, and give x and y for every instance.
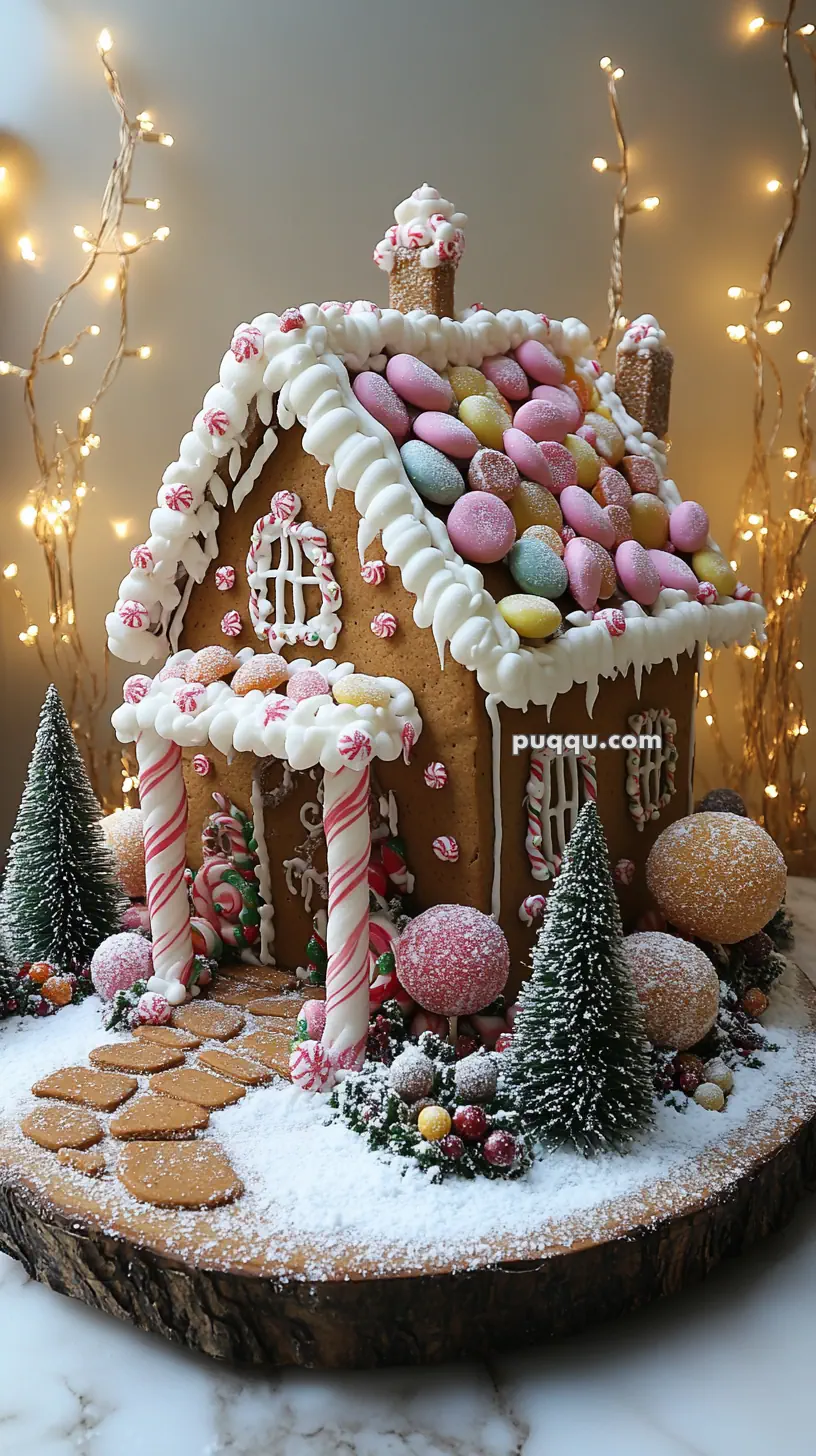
(374, 1313)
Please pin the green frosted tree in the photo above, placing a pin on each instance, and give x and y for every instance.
(61, 894)
(580, 1062)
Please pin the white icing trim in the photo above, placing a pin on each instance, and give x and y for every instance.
(266, 953)
(295, 540)
(493, 714)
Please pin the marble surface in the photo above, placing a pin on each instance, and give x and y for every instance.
(728, 1365)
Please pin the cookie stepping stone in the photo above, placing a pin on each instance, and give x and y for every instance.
(88, 1161)
(202, 1088)
(209, 1021)
(136, 1056)
(103, 1091)
(269, 1048)
(287, 1006)
(239, 1068)
(56, 1127)
(178, 1175)
(157, 1116)
(167, 1036)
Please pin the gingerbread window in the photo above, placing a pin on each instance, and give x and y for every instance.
(293, 593)
(651, 766)
(558, 786)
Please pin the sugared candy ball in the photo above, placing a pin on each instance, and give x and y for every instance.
(541, 420)
(418, 384)
(688, 1082)
(641, 473)
(124, 831)
(673, 570)
(452, 959)
(757, 950)
(650, 521)
(718, 1072)
(262, 673)
(585, 515)
(537, 568)
(546, 534)
(481, 527)
(306, 684)
(508, 376)
(504, 1041)
(434, 1123)
(710, 1096)
(120, 961)
(41, 971)
(561, 465)
(313, 1012)
(467, 382)
(445, 432)
(500, 1149)
(533, 617)
(209, 665)
(587, 460)
(493, 472)
(431, 473)
(411, 1074)
(152, 1010)
(470, 1122)
(609, 580)
(476, 1078)
(376, 395)
(754, 1002)
(723, 801)
(716, 876)
(677, 987)
(452, 1146)
(563, 400)
(689, 526)
(620, 521)
(584, 573)
(638, 575)
(527, 456)
(534, 505)
(358, 688)
(58, 990)
(539, 362)
(711, 566)
(485, 418)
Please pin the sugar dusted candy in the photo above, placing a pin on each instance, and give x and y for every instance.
(650, 521)
(609, 580)
(689, 526)
(358, 688)
(431, 473)
(527, 456)
(383, 403)
(674, 572)
(584, 574)
(587, 460)
(420, 386)
(536, 568)
(539, 362)
(585, 515)
(711, 566)
(530, 616)
(641, 473)
(611, 489)
(546, 534)
(481, 527)
(532, 505)
(485, 418)
(562, 466)
(638, 575)
(446, 433)
(620, 521)
(508, 376)
(493, 472)
(466, 382)
(541, 420)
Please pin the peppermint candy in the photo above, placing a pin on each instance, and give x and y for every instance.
(133, 614)
(152, 1010)
(276, 709)
(408, 736)
(290, 319)
(247, 343)
(216, 422)
(531, 908)
(187, 696)
(742, 592)
(310, 1067)
(333, 303)
(284, 505)
(416, 235)
(136, 688)
(446, 848)
(355, 747)
(141, 557)
(225, 578)
(436, 776)
(706, 593)
(177, 497)
(624, 872)
(613, 620)
(373, 572)
(231, 624)
(202, 765)
(384, 624)
(392, 234)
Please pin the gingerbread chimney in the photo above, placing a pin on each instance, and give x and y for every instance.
(421, 253)
(643, 372)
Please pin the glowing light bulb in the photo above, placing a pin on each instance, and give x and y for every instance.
(754, 520)
(109, 283)
(87, 247)
(10, 571)
(145, 120)
(747, 535)
(600, 164)
(152, 204)
(84, 450)
(81, 491)
(709, 719)
(773, 185)
(755, 25)
(130, 240)
(803, 729)
(736, 292)
(94, 329)
(120, 529)
(161, 233)
(708, 655)
(3, 176)
(67, 359)
(704, 692)
(806, 29)
(145, 351)
(104, 41)
(804, 357)
(771, 791)
(773, 326)
(736, 332)
(605, 62)
(26, 250)
(33, 630)
(650, 203)
(790, 452)
(28, 516)
(733, 565)
(799, 665)
(5, 366)
(81, 232)
(618, 73)
(783, 305)
(85, 414)
(797, 515)
(750, 652)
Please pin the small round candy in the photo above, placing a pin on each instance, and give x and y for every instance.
(481, 527)
(609, 580)
(446, 433)
(528, 456)
(418, 384)
(376, 395)
(718, 1072)
(466, 382)
(152, 1009)
(717, 877)
(539, 362)
(306, 684)
(491, 471)
(508, 376)
(533, 617)
(562, 466)
(500, 1149)
(358, 688)
(637, 573)
(263, 672)
(710, 1096)
(120, 961)
(540, 419)
(689, 526)
(411, 1074)
(604, 435)
(754, 1002)
(452, 1146)
(470, 1121)
(723, 801)
(587, 461)
(546, 534)
(538, 569)
(620, 521)
(485, 418)
(711, 566)
(611, 488)
(209, 665)
(434, 1123)
(673, 570)
(476, 1078)
(585, 515)
(650, 521)
(677, 987)
(584, 573)
(58, 990)
(431, 473)
(534, 505)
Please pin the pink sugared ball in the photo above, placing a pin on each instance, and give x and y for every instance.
(689, 526)
(481, 527)
(500, 1149)
(528, 457)
(136, 917)
(638, 575)
(493, 472)
(313, 1012)
(541, 420)
(446, 434)
(584, 573)
(562, 399)
(306, 684)
(586, 516)
(674, 571)
(418, 384)
(120, 961)
(452, 959)
(563, 467)
(540, 362)
(376, 395)
(508, 376)
(152, 1010)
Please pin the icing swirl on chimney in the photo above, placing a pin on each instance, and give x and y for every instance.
(643, 336)
(425, 221)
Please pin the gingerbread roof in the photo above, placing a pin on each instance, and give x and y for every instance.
(299, 366)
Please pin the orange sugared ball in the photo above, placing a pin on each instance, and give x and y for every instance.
(40, 972)
(125, 835)
(434, 1123)
(57, 990)
(755, 1002)
(716, 876)
(677, 986)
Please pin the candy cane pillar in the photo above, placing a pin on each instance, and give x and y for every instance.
(163, 798)
(348, 850)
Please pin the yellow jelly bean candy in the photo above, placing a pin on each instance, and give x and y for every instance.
(610, 443)
(601, 409)
(465, 382)
(711, 566)
(595, 402)
(358, 688)
(494, 393)
(530, 616)
(485, 418)
(589, 464)
(534, 505)
(650, 521)
(433, 1123)
(546, 534)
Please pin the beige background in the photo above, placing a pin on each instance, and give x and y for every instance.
(298, 125)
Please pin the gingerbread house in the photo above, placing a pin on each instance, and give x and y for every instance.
(417, 585)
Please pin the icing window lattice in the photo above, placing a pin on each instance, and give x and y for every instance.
(558, 786)
(286, 559)
(651, 768)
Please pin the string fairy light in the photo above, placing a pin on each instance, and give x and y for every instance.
(53, 509)
(782, 503)
(623, 208)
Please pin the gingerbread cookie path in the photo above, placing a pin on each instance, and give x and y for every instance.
(157, 1100)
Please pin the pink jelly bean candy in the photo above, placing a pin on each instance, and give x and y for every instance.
(689, 526)
(376, 395)
(447, 434)
(585, 515)
(313, 1012)
(306, 684)
(638, 575)
(481, 527)
(584, 574)
(418, 384)
(541, 420)
(620, 521)
(508, 376)
(529, 458)
(563, 466)
(674, 572)
(564, 400)
(540, 362)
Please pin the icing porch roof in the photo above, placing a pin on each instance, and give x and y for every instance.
(303, 357)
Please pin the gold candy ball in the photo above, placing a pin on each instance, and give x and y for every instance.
(677, 987)
(434, 1123)
(125, 834)
(716, 876)
(710, 1096)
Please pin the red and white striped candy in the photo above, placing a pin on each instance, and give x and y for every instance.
(355, 747)
(231, 624)
(133, 614)
(310, 1067)
(276, 709)
(225, 578)
(163, 799)
(624, 872)
(436, 776)
(152, 1009)
(141, 557)
(706, 593)
(373, 572)
(136, 688)
(384, 624)
(216, 422)
(247, 343)
(408, 736)
(290, 319)
(177, 497)
(613, 620)
(446, 848)
(202, 765)
(531, 908)
(284, 505)
(188, 696)
(742, 593)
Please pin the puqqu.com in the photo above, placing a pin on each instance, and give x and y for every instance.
(584, 742)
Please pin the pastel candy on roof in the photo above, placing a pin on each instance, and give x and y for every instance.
(508, 376)
(376, 395)
(532, 617)
(620, 521)
(587, 461)
(536, 568)
(674, 572)
(611, 489)
(485, 418)
(542, 420)
(481, 527)
(689, 526)
(609, 580)
(417, 383)
(561, 465)
(539, 362)
(584, 573)
(533, 505)
(467, 382)
(491, 471)
(446, 433)
(528, 457)
(650, 520)
(432, 474)
(637, 573)
(585, 515)
(564, 400)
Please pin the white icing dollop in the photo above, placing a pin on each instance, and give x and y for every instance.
(427, 222)
(643, 336)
